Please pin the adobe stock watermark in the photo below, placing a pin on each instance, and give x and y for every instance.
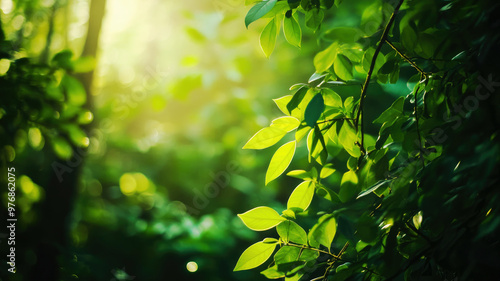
(152, 79)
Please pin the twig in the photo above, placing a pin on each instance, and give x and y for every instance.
(372, 66)
(407, 59)
(418, 126)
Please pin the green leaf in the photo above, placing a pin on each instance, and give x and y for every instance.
(282, 103)
(373, 188)
(314, 18)
(286, 123)
(75, 92)
(314, 110)
(297, 99)
(261, 218)
(304, 175)
(291, 231)
(390, 115)
(331, 98)
(343, 67)
(323, 232)
(348, 138)
(273, 272)
(259, 10)
(324, 59)
(326, 171)
(292, 31)
(301, 196)
(268, 37)
(254, 256)
(348, 186)
(287, 254)
(343, 34)
(280, 161)
(265, 138)
(302, 131)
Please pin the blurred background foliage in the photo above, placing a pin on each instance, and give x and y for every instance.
(126, 128)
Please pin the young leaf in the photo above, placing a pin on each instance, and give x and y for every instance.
(324, 59)
(390, 115)
(331, 98)
(348, 186)
(291, 231)
(286, 123)
(302, 174)
(292, 31)
(323, 232)
(301, 196)
(268, 37)
(287, 254)
(265, 138)
(261, 218)
(343, 67)
(314, 18)
(282, 103)
(273, 272)
(314, 110)
(259, 10)
(254, 256)
(280, 161)
(347, 137)
(326, 171)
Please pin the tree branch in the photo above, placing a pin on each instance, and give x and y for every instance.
(407, 59)
(370, 71)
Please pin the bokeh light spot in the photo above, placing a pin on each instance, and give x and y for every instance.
(192, 266)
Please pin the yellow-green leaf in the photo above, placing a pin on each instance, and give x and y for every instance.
(326, 171)
(268, 37)
(343, 67)
(301, 196)
(291, 231)
(286, 123)
(265, 138)
(280, 161)
(292, 31)
(255, 255)
(349, 188)
(323, 232)
(324, 59)
(261, 218)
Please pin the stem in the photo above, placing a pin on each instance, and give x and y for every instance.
(372, 66)
(314, 249)
(418, 127)
(407, 59)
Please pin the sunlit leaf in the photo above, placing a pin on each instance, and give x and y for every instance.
(324, 59)
(280, 161)
(343, 67)
(261, 218)
(254, 256)
(349, 186)
(282, 103)
(286, 123)
(323, 232)
(292, 31)
(301, 196)
(265, 138)
(259, 10)
(268, 37)
(291, 231)
(327, 170)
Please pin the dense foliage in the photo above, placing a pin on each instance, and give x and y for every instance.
(406, 193)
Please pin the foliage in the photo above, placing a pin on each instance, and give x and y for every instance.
(403, 194)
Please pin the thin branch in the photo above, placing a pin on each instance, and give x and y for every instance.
(372, 66)
(407, 59)
(334, 119)
(418, 126)
(314, 249)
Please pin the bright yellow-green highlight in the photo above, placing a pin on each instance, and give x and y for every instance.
(131, 183)
(192, 266)
(30, 189)
(35, 138)
(4, 66)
